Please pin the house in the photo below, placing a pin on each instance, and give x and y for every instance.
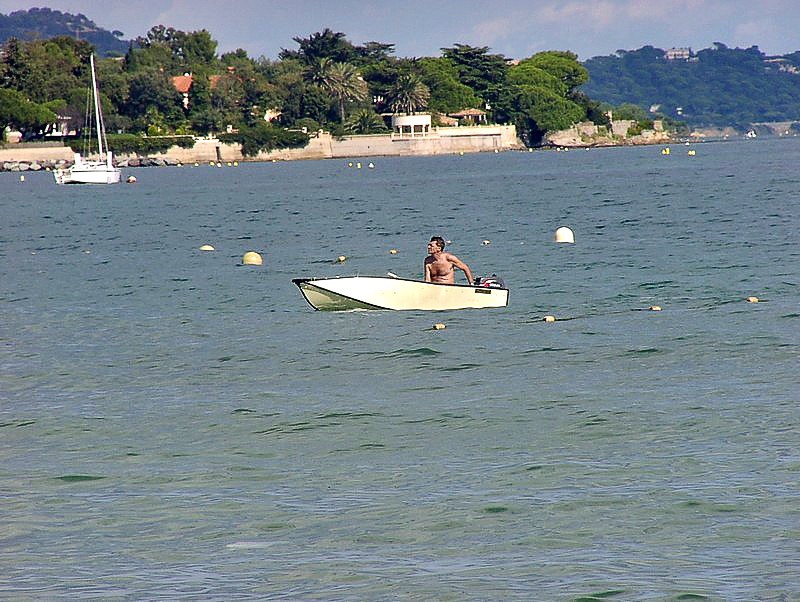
(473, 115)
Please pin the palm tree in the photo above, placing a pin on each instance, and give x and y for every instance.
(408, 93)
(341, 80)
(365, 121)
(346, 84)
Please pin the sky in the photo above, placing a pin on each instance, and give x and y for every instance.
(514, 28)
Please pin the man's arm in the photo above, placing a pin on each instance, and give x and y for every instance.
(463, 267)
(427, 271)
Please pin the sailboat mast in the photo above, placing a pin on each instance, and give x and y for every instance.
(96, 108)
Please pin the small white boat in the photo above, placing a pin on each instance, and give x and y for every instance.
(380, 292)
(92, 171)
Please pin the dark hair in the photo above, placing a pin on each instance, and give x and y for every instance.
(439, 240)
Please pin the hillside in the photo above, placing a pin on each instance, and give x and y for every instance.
(717, 86)
(44, 23)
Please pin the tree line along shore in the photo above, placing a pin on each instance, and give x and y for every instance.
(173, 83)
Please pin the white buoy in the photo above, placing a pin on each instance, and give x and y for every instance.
(371, 165)
(341, 258)
(22, 178)
(486, 242)
(549, 318)
(252, 258)
(206, 248)
(752, 299)
(655, 308)
(131, 180)
(439, 326)
(393, 251)
(564, 234)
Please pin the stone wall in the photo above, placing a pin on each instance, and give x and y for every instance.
(321, 146)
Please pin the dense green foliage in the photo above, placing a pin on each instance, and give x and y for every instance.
(44, 23)
(171, 82)
(265, 137)
(717, 86)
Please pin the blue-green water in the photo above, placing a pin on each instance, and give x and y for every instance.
(175, 425)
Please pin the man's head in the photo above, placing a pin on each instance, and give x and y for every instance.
(438, 241)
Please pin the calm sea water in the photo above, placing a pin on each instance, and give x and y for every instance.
(176, 425)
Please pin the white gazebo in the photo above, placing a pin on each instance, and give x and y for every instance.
(411, 126)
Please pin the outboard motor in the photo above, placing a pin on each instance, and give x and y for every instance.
(493, 281)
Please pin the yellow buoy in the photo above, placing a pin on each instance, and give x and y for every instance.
(207, 248)
(236, 164)
(564, 234)
(252, 258)
(752, 299)
(549, 318)
(439, 326)
(692, 153)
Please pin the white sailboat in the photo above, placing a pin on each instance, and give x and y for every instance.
(92, 171)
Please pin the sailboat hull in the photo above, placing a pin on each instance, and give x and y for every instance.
(377, 292)
(88, 172)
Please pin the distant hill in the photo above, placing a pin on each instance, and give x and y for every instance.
(717, 86)
(44, 23)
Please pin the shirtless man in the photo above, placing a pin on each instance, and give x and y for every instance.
(440, 265)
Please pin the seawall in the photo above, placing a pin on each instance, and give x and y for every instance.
(321, 146)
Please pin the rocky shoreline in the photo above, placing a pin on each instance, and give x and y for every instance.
(50, 165)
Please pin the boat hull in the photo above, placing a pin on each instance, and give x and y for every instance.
(378, 292)
(88, 173)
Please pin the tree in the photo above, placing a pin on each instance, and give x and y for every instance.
(408, 94)
(365, 121)
(481, 71)
(18, 112)
(324, 44)
(447, 93)
(341, 80)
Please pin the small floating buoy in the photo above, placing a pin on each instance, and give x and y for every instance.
(131, 180)
(236, 164)
(207, 248)
(230, 164)
(358, 165)
(549, 318)
(349, 164)
(22, 178)
(219, 164)
(665, 151)
(439, 326)
(752, 299)
(371, 165)
(564, 234)
(341, 258)
(692, 153)
(211, 164)
(486, 242)
(392, 251)
(252, 258)
(655, 308)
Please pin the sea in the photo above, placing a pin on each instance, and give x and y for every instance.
(175, 425)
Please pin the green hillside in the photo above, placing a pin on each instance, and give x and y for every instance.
(44, 23)
(717, 86)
